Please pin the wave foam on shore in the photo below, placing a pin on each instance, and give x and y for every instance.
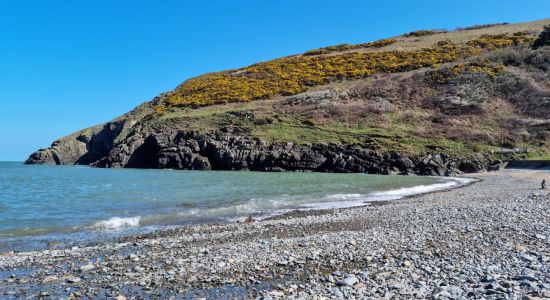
(117, 223)
(353, 200)
(419, 189)
(267, 207)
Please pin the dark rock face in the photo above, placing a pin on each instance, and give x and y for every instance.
(230, 149)
(82, 148)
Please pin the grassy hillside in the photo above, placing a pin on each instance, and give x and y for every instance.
(481, 90)
(475, 90)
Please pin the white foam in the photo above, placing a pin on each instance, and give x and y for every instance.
(353, 200)
(275, 206)
(252, 206)
(117, 223)
(344, 196)
(337, 201)
(419, 189)
(265, 207)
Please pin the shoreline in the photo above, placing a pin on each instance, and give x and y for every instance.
(61, 241)
(313, 212)
(496, 232)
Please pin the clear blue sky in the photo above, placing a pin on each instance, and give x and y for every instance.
(66, 65)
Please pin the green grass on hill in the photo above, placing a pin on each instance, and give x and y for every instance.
(396, 137)
(447, 110)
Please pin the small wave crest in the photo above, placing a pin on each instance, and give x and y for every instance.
(252, 206)
(268, 206)
(343, 196)
(351, 200)
(117, 223)
(415, 190)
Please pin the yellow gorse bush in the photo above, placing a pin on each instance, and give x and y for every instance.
(296, 74)
(482, 67)
(492, 42)
(445, 75)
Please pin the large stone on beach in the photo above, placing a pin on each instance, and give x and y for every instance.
(49, 279)
(87, 268)
(348, 281)
(72, 279)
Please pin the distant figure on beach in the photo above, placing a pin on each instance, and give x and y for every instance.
(543, 184)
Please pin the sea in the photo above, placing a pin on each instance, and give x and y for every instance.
(45, 206)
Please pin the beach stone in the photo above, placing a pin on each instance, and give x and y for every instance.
(348, 281)
(528, 277)
(138, 269)
(540, 236)
(282, 262)
(507, 284)
(454, 291)
(87, 268)
(133, 257)
(49, 279)
(73, 279)
(276, 293)
(528, 257)
(337, 293)
(489, 278)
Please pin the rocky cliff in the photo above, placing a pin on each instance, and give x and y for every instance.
(231, 149)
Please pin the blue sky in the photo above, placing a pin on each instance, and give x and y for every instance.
(67, 65)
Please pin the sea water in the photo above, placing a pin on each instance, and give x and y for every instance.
(44, 206)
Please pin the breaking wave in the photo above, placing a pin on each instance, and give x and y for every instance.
(419, 189)
(262, 207)
(117, 223)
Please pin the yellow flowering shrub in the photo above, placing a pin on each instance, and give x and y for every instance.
(159, 108)
(296, 74)
(444, 75)
(492, 42)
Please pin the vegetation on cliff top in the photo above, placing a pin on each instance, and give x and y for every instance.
(297, 74)
(347, 47)
(420, 33)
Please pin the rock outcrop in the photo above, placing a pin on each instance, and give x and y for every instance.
(231, 149)
(81, 148)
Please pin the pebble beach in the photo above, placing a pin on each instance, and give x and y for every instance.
(486, 240)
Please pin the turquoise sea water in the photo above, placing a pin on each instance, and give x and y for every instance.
(46, 205)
